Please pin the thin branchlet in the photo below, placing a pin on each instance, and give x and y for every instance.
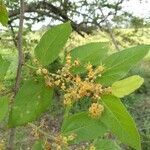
(19, 69)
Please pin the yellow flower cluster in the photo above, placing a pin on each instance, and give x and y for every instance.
(41, 71)
(96, 110)
(74, 87)
(92, 74)
(81, 88)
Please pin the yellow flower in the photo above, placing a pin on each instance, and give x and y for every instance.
(100, 69)
(89, 67)
(71, 137)
(77, 79)
(96, 110)
(68, 59)
(91, 74)
(108, 90)
(68, 56)
(57, 82)
(44, 71)
(39, 72)
(65, 140)
(58, 147)
(67, 100)
(76, 63)
(63, 87)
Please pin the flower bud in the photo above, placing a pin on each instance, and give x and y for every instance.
(39, 72)
(44, 71)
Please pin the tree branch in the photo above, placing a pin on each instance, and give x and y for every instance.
(19, 69)
(45, 8)
(109, 30)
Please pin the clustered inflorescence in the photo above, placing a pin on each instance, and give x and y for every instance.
(74, 87)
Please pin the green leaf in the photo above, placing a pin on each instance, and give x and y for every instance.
(38, 145)
(92, 52)
(118, 64)
(119, 121)
(52, 42)
(3, 14)
(105, 144)
(32, 100)
(4, 106)
(83, 126)
(4, 65)
(126, 86)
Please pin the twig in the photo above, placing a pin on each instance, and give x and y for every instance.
(109, 30)
(49, 136)
(29, 66)
(13, 34)
(19, 69)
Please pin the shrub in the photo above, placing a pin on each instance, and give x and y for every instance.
(87, 72)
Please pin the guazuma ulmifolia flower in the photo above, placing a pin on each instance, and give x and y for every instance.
(96, 110)
(74, 87)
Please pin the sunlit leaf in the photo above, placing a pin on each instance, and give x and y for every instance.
(126, 86)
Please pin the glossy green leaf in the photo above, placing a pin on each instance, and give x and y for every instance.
(105, 144)
(83, 126)
(4, 64)
(119, 121)
(32, 100)
(38, 145)
(126, 86)
(52, 42)
(4, 105)
(3, 14)
(92, 52)
(118, 64)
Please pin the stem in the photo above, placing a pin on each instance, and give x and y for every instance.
(66, 113)
(49, 136)
(29, 66)
(109, 30)
(19, 69)
(13, 34)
